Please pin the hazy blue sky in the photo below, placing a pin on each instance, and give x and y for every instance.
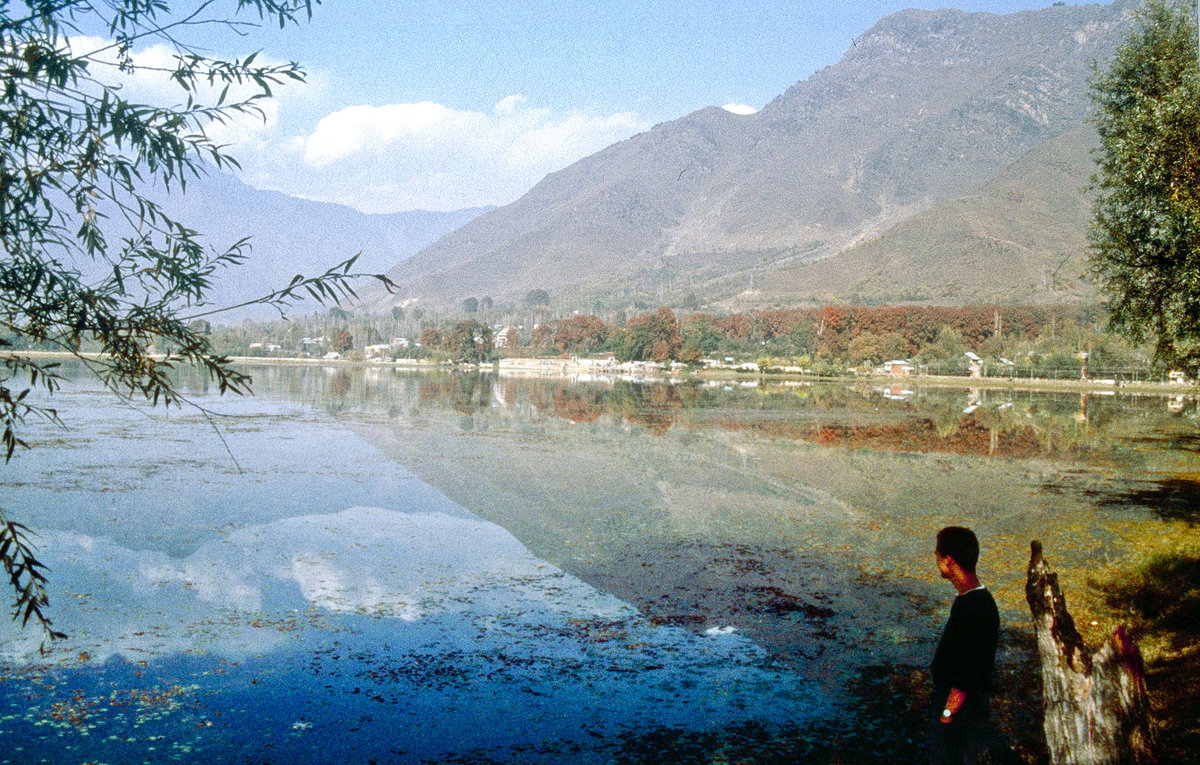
(457, 103)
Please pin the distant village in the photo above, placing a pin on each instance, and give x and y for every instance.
(507, 356)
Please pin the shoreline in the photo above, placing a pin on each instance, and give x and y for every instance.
(591, 370)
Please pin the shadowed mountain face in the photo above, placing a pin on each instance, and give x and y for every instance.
(926, 108)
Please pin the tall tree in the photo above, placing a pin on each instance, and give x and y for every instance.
(88, 260)
(581, 334)
(1146, 233)
(651, 336)
(470, 340)
(538, 297)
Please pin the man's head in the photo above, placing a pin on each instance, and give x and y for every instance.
(960, 544)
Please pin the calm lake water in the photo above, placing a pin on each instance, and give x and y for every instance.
(365, 565)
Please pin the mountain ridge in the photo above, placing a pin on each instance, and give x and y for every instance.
(924, 108)
(290, 235)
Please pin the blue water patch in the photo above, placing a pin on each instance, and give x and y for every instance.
(320, 604)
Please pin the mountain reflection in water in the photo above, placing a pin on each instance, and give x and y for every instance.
(515, 570)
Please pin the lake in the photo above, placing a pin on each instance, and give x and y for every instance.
(362, 564)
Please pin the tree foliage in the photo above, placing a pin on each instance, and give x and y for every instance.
(470, 341)
(343, 341)
(581, 334)
(89, 261)
(653, 336)
(431, 337)
(1146, 232)
(877, 348)
(536, 298)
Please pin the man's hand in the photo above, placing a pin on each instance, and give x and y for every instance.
(954, 703)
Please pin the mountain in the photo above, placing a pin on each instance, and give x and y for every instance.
(290, 236)
(1020, 239)
(825, 191)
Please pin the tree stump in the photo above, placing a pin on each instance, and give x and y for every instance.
(1096, 707)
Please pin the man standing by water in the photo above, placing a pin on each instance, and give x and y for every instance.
(962, 665)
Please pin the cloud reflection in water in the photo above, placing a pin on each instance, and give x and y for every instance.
(414, 627)
(401, 565)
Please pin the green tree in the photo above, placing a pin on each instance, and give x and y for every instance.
(701, 335)
(1145, 235)
(804, 337)
(89, 261)
(877, 348)
(469, 340)
(536, 298)
(948, 345)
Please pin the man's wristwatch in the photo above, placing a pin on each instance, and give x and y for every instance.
(947, 714)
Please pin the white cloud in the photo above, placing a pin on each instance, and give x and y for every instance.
(509, 104)
(428, 155)
(359, 130)
(741, 109)
(379, 158)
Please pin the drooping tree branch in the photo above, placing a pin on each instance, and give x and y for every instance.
(89, 263)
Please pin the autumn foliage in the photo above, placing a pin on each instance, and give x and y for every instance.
(832, 332)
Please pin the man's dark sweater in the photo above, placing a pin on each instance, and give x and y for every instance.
(966, 653)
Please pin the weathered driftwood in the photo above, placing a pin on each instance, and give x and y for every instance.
(1096, 706)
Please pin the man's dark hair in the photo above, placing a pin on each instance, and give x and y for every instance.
(959, 543)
